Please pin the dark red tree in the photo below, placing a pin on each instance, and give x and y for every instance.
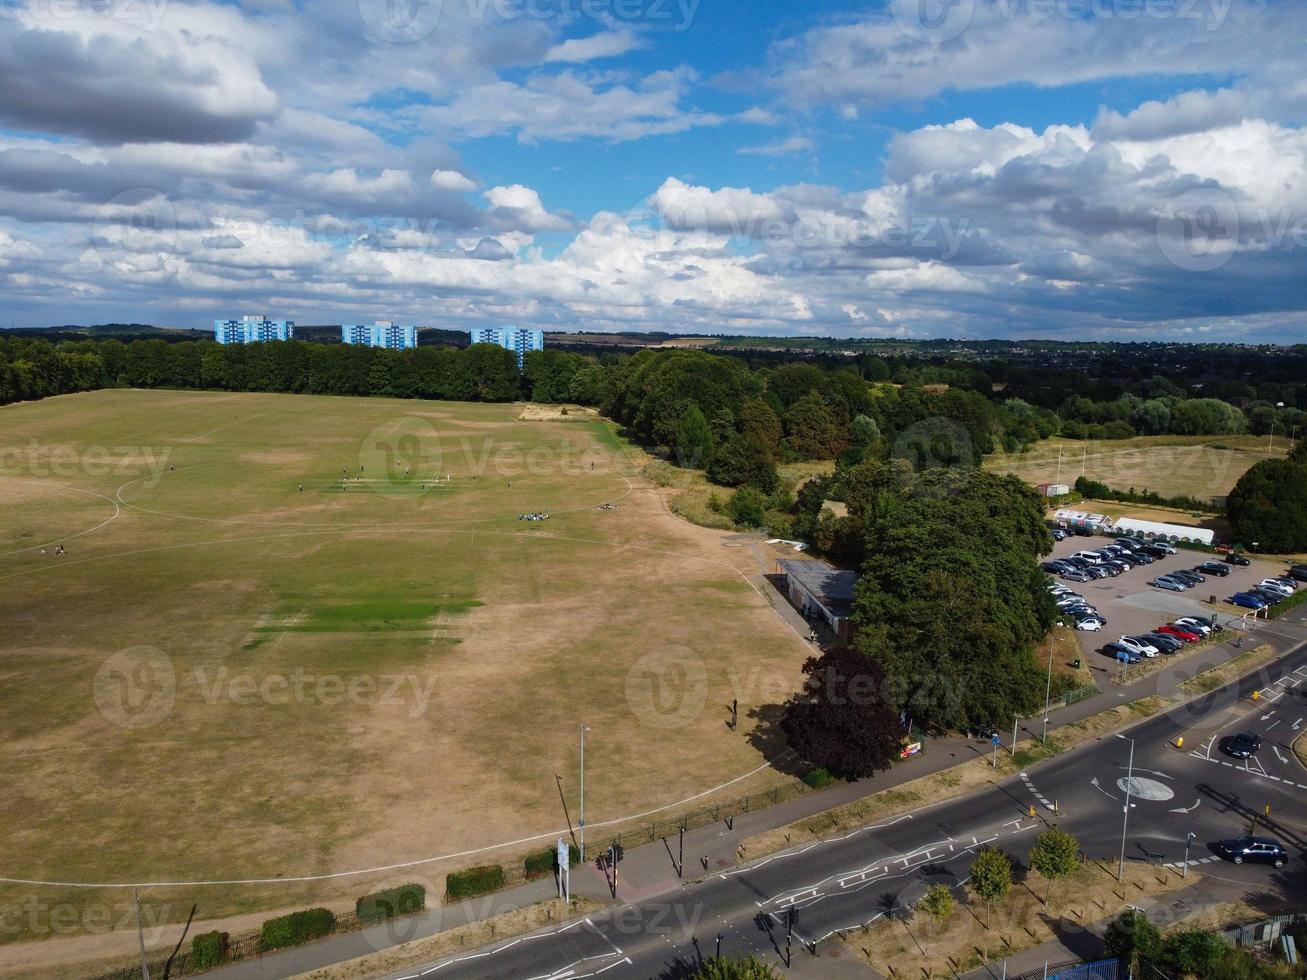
(844, 720)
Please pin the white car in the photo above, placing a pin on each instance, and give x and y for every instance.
(1093, 557)
(1194, 625)
(1138, 646)
(1274, 585)
(1089, 624)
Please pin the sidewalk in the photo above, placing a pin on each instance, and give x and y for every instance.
(651, 870)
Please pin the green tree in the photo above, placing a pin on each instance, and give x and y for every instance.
(1193, 952)
(991, 878)
(937, 903)
(1133, 940)
(734, 968)
(1269, 506)
(694, 439)
(740, 462)
(760, 424)
(747, 507)
(1056, 855)
(810, 429)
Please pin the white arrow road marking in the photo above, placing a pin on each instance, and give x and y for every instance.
(1094, 783)
(1277, 753)
(1187, 809)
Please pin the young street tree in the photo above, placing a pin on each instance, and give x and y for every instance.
(991, 878)
(1133, 940)
(1056, 855)
(937, 903)
(738, 968)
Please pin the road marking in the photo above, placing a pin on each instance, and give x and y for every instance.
(1277, 753)
(1188, 809)
(1037, 794)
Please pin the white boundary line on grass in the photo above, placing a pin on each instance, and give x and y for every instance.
(117, 510)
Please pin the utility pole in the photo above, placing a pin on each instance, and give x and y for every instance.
(1015, 719)
(581, 847)
(1184, 868)
(140, 935)
(790, 915)
(680, 861)
(1125, 810)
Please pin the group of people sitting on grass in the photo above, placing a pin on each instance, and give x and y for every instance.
(539, 516)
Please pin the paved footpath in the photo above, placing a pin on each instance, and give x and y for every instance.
(650, 870)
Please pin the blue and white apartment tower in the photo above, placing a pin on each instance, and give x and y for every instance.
(383, 333)
(520, 340)
(252, 329)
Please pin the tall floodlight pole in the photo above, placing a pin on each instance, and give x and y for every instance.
(582, 847)
(1125, 819)
(1184, 869)
(1048, 690)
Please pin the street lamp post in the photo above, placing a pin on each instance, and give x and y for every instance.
(1184, 868)
(581, 848)
(1125, 810)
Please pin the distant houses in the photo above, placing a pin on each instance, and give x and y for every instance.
(383, 333)
(520, 340)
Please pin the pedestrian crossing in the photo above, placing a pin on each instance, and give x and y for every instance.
(1038, 795)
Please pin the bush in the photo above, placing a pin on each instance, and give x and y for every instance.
(817, 778)
(296, 928)
(747, 507)
(391, 902)
(474, 881)
(209, 949)
(545, 862)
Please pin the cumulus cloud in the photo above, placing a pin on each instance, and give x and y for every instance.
(451, 180)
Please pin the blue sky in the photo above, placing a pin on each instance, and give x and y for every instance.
(1121, 169)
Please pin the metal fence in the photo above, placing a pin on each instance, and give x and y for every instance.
(1267, 931)
(1075, 970)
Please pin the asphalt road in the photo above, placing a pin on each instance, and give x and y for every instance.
(858, 877)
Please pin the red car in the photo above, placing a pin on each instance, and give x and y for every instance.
(1179, 632)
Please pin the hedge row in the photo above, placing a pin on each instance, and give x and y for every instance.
(209, 949)
(1293, 602)
(296, 928)
(391, 903)
(540, 863)
(474, 881)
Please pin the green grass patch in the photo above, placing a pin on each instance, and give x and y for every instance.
(1035, 753)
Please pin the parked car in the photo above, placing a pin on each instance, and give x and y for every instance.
(1272, 585)
(1058, 534)
(1077, 575)
(1168, 583)
(1134, 544)
(1266, 595)
(1164, 642)
(1139, 645)
(1210, 621)
(1287, 582)
(1194, 623)
(1156, 550)
(1298, 573)
(1244, 745)
(1261, 850)
(1054, 566)
(1213, 568)
(1181, 632)
(1090, 624)
(1089, 556)
(1233, 559)
(1120, 565)
(1245, 600)
(1123, 653)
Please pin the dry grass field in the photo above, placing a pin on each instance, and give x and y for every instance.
(245, 667)
(1200, 467)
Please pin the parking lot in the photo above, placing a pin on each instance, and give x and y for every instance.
(1132, 606)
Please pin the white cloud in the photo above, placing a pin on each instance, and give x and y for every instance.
(451, 180)
(780, 148)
